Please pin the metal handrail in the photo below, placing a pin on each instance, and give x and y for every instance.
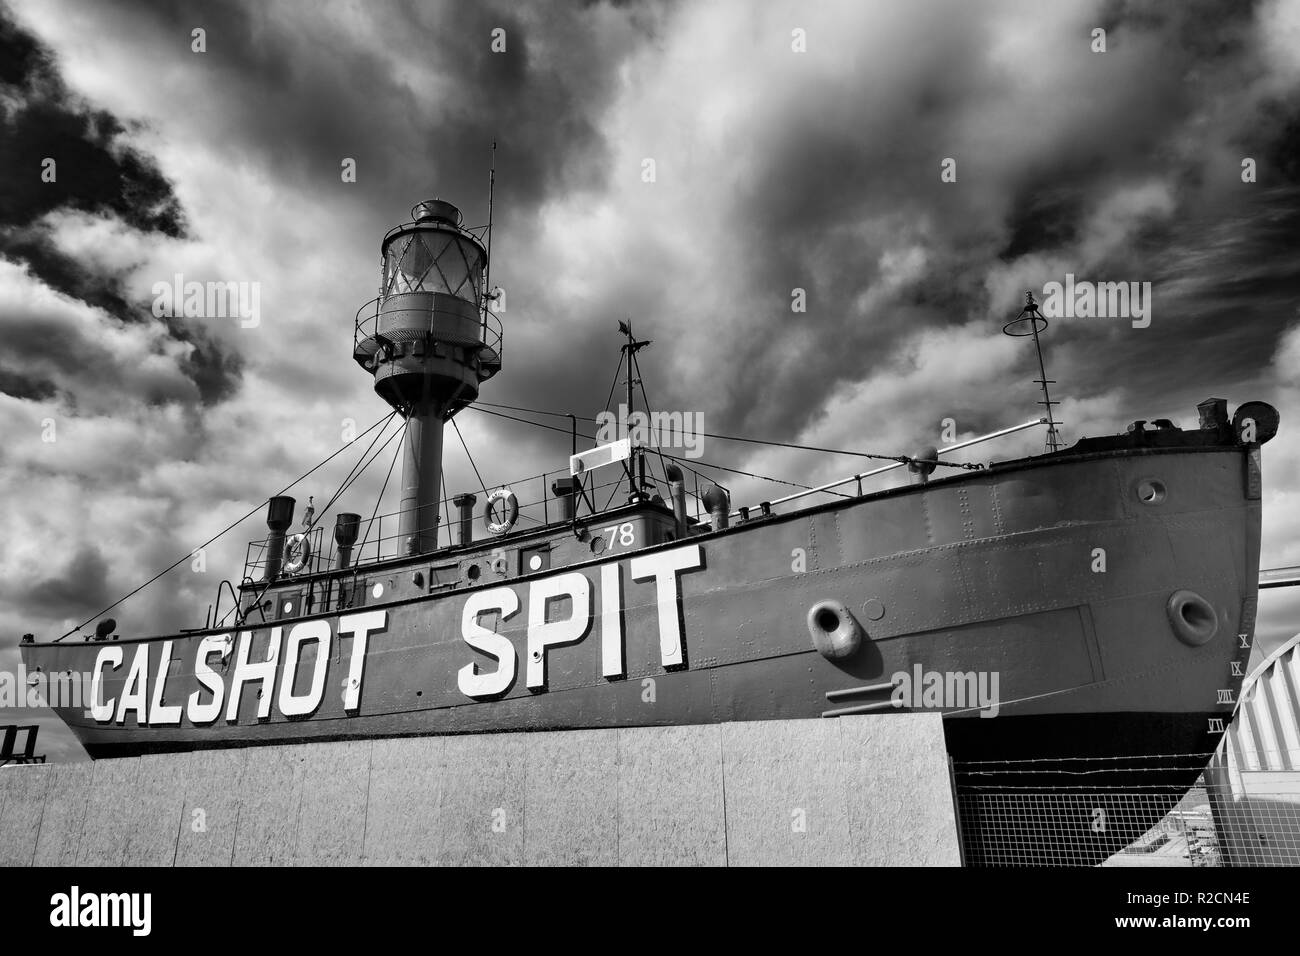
(379, 546)
(899, 464)
(366, 326)
(216, 608)
(1280, 577)
(400, 227)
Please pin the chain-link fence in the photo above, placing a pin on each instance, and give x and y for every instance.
(1149, 811)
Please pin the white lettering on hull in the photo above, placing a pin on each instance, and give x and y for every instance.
(543, 633)
(162, 714)
(248, 671)
(203, 714)
(292, 705)
(136, 692)
(101, 710)
(156, 712)
(469, 679)
(275, 671)
(360, 625)
(663, 568)
(611, 622)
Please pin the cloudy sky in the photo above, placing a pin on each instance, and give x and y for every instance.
(795, 146)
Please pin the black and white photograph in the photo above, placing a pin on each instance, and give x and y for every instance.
(851, 434)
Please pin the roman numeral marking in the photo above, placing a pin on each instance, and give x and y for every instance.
(1225, 697)
(1216, 726)
(1236, 669)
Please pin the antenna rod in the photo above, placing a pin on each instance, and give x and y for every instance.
(1030, 314)
(1053, 440)
(627, 424)
(492, 187)
(629, 349)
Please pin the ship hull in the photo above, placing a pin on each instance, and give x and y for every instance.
(1050, 582)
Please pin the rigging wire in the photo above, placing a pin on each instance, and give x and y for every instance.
(348, 482)
(612, 492)
(476, 407)
(646, 398)
(446, 512)
(388, 441)
(690, 463)
(481, 483)
(355, 473)
(520, 408)
(903, 459)
(610, 396)
(379, 543)
(228, 527)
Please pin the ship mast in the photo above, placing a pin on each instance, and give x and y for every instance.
(628, 360)
(1031, 317)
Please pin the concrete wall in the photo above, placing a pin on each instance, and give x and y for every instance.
(851, 791)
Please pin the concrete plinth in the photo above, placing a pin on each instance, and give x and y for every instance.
(852, 791)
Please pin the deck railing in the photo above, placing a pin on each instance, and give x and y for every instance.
(380, 538)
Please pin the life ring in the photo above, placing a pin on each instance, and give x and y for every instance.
(510, 509)
(297, 551)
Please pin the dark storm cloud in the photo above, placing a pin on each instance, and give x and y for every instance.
(81, 587)
(29, 387)
(53, 351)
(1042, 218)
(1281, 145)
(828, 166)
(1231, 288)
(420, 113)
(312, 98)
(418, 102)
(418, 110)
(96, 174)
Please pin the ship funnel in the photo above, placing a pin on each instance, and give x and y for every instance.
(677, 490)
(346, 526)
(429, 343)
(719, 504)
(279, 515)
(565, 491)
(465, 516)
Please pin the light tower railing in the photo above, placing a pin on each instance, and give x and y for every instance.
(491, 333)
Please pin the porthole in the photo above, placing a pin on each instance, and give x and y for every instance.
(597, 544)
(377, 591)
(1151, 491)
